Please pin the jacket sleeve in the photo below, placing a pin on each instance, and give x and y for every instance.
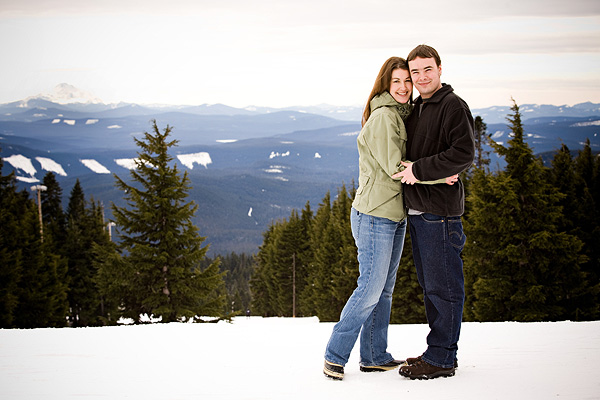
(458, 133)
(386, 140)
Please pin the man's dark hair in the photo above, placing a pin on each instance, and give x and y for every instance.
(424, 51)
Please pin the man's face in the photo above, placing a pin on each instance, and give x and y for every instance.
(426, 76)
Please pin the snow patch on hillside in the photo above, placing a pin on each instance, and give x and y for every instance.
(22, 163)
(95, 166)
(129, 163)
(51, 166)
(201, 158)
(277, 154)
(590, 123)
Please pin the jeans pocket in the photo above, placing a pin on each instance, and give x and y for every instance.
(456, 236)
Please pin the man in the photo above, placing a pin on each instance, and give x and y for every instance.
(440, 139)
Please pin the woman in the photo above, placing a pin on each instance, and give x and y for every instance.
(378, 221)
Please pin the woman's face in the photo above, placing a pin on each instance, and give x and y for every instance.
(401, 86)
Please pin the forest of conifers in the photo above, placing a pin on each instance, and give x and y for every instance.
(532, 252)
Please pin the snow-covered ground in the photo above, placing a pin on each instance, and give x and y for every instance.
(281, 358)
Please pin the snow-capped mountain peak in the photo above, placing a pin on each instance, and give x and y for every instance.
(66, 94)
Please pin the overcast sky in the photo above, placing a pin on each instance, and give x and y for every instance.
(290, 52)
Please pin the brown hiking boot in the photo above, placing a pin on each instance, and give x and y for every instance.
(423, 370)
(414, 360)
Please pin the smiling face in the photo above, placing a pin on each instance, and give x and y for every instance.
(426, 76)
(401, 86)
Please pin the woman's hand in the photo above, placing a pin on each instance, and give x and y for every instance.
(451, 180)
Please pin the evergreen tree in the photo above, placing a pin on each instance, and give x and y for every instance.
(345, 268)
(319, 292)
(582, 219)
(482, 138)
(238, 270)
(262, 283)
(85, 231)
(529, 269)
(52, 212)
(11, 255)
(157, 271)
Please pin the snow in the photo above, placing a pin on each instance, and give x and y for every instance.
(51, 166)
(277, 154)
(27, 179)
(201, 158)
(129, 163)
(282, 358)
(590, 123)
(66, 94)
(95, 166)
(21, 162)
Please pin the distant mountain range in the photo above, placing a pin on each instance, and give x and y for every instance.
(247, 167)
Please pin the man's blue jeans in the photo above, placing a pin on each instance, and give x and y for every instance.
(379, 242)
(437, 243)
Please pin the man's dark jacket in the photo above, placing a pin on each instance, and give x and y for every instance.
(440, 142)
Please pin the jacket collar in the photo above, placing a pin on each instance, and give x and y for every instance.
(437, 96)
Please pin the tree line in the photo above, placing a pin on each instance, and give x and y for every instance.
(61, 268)
(532, 248)
(532, 252)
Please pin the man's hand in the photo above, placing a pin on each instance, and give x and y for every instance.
(406, 175)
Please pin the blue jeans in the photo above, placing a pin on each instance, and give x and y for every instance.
(437, 243)
(379, 242)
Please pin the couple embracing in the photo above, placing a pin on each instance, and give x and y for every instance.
(424, 145)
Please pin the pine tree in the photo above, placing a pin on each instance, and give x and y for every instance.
(529, 269)
(52, 211)
(42, 291)
(157, 271)
(11, 255)
(345, 268)
(263, 283)
(482, 138)
(319, 291)
(85, 231)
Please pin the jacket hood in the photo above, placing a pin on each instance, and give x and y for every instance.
(385, 99)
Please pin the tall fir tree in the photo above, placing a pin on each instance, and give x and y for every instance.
(530, 268)
(52, 211)
(263, 283)
(11, 254)
(319, 292)
(85, 231)
(157, 271)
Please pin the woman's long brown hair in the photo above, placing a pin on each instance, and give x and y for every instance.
(383, 81)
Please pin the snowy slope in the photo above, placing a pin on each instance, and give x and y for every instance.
(278, 358)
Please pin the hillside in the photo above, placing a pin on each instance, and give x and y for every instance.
(247, 167)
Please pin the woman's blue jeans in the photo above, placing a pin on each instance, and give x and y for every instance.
(437, 243)
(379, 242)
